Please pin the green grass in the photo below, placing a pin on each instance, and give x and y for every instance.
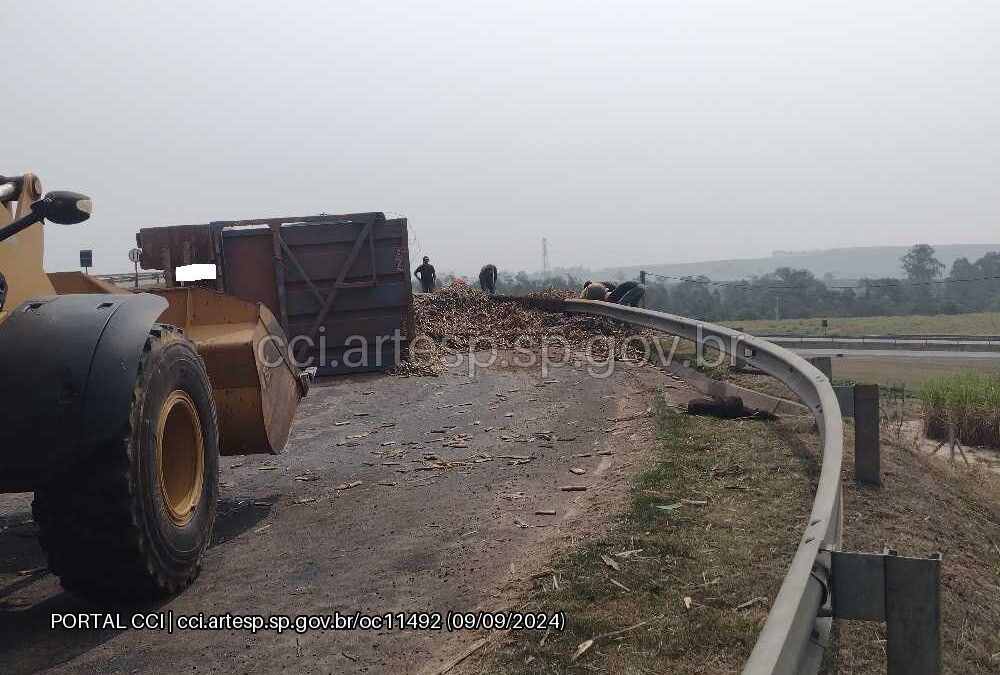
(969, 401)
(985, 323)
(738, 496)
(911, 372)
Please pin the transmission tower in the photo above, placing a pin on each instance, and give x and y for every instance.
(545, 256)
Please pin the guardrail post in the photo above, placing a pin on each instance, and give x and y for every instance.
(845, 397)
(904, 593)
(913, 615)
(700, 353)
(824, 364)
(867, 450)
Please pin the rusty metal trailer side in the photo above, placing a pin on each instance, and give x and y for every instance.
(338, 285)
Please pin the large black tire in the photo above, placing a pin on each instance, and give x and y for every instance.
(133, 521)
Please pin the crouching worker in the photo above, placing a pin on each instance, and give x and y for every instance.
(627, 293)
(594, 290)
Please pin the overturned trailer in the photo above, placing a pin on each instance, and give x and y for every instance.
(338, 285)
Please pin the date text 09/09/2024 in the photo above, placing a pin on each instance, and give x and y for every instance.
(337, 621)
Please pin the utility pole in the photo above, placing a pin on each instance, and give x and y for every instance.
(777, 308)
(545, 256)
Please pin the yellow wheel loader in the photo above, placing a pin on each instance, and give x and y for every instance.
(115, 407)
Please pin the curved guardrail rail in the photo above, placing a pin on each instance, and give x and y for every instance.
(794, 637)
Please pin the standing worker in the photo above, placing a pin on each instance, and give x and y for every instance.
(427, 275)
(488, 278)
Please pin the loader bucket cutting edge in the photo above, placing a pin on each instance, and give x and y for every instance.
(256, 399)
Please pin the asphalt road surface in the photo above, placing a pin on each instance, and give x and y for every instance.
(425, 501)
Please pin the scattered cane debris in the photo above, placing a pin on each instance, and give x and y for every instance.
(750, 602)
(612, 563)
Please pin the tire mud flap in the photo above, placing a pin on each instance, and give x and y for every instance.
(67, 368)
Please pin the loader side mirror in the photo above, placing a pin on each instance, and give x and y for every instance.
(63, 208)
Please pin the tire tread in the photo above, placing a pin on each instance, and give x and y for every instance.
(90, 521)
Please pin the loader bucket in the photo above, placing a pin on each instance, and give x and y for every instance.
(73, 283)
(256, 386)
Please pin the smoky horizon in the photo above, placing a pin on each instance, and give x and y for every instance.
(624, 133)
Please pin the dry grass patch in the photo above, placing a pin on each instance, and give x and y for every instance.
(927, 505)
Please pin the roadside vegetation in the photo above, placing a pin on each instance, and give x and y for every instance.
(969, 402)
(980, 323)
(683, 579)
(927, 505)
(798, 293)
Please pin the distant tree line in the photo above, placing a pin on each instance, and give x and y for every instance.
(797, 293)
(789, 293)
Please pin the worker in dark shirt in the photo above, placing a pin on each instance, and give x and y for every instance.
(627, 293)
(488, 278)
(427, 275)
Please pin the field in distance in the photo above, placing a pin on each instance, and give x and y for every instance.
(983, 323)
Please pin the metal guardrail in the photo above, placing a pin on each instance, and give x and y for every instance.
(798, 625)
(777, 337)
(942, 343)
(132, 279)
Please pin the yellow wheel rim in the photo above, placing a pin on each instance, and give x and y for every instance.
(180, 456)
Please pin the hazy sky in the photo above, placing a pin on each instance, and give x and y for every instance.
(625, 132)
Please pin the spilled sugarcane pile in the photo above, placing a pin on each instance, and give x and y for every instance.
(460, 320)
